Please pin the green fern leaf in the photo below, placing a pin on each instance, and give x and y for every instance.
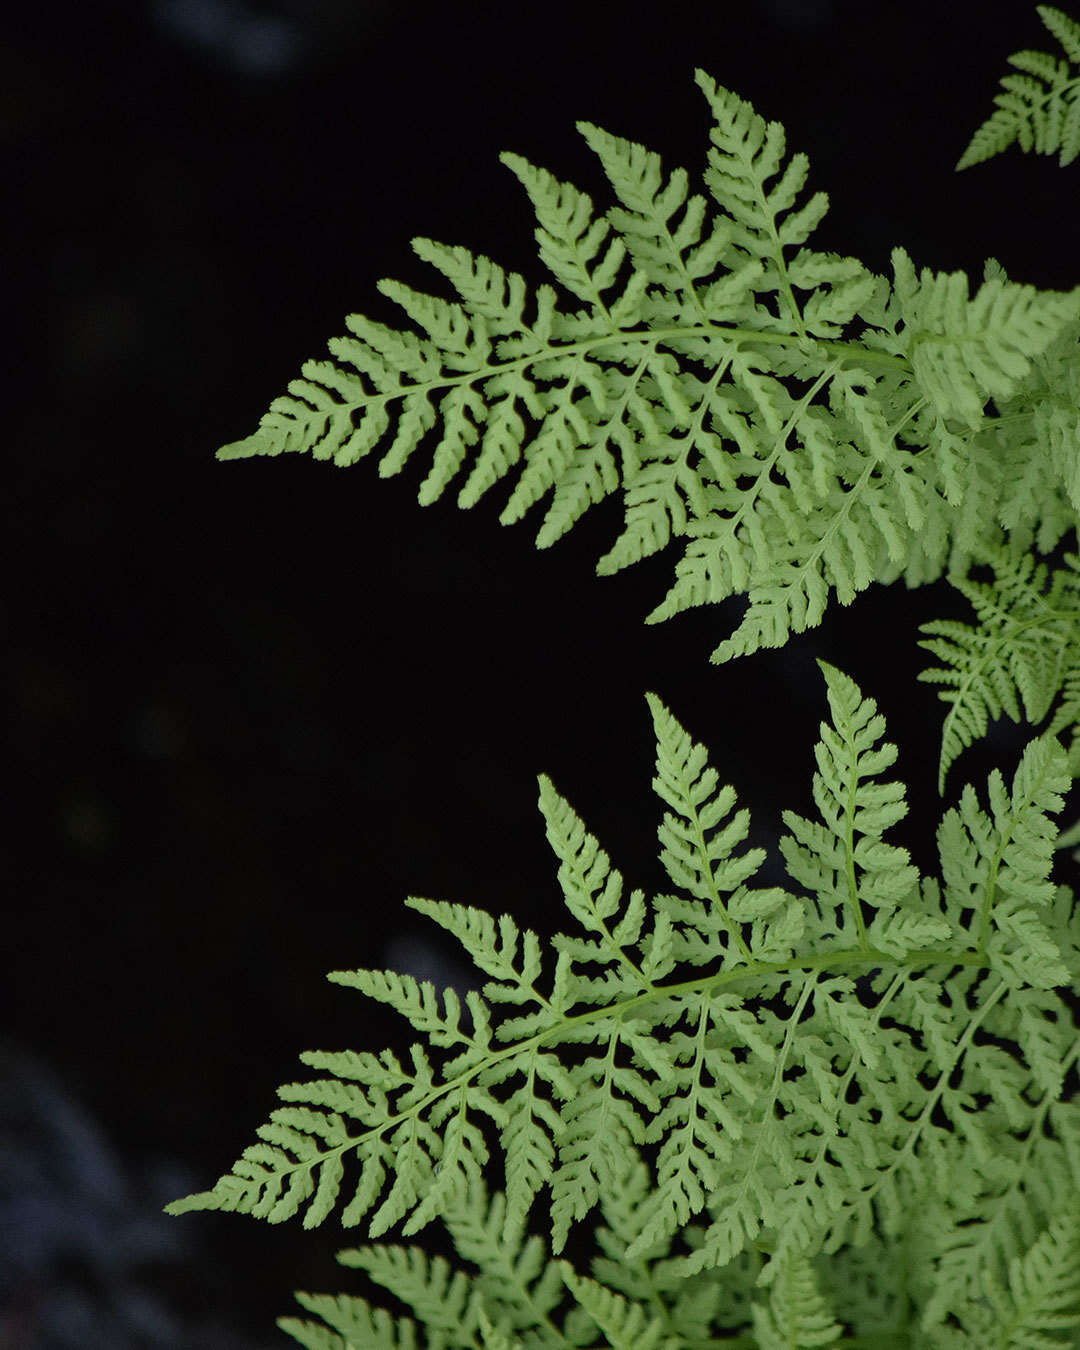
(672, 383)
(815, 1075)
(645, 223)
(706, 869)
(1041, 116)
(796, 1314)
(348, 1324)
(669, 383)
(442, 1300)
(827, 859)
(964, 351)
(998, 867)
(531, 1129)
(749, 1106)
(1043, 1297)
(699, 866)
(626, 1325)
(1025, 643)
(513, 1288)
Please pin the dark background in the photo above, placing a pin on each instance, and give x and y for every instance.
(254, 705)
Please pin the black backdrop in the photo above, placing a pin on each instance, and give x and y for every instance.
(254, 705)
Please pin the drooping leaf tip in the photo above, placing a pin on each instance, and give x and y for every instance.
(243, 449)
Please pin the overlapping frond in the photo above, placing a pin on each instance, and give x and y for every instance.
(1040, 109)
(796, 1313)
(1026, 643)
(964, 351)
(999, 866)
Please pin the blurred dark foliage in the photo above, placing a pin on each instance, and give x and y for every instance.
(88, 1259)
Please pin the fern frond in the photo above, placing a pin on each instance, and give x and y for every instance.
(1041, 116)
(848, 1093)
(1043, 1299)
(509, 1296)
(701, 867)
(796, 1314)
(348, 1323)
(520, 1285)
(1026, 643)
(828, 858)
(626, 1325)
(1002, 871)
(749, 1103)
(443, 1300)
(574, 1126)
(963, 351)
(671, 379)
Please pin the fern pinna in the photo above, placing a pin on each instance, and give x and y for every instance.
(791, 1110)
